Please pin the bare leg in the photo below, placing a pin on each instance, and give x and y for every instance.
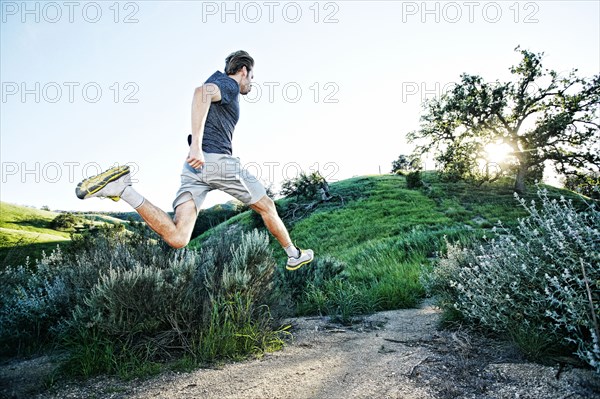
(266, 208)
(176, 232)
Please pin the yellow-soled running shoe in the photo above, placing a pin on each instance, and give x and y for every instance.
(109, 184)
(306, 256)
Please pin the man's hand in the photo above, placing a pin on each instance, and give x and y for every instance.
(195, 158)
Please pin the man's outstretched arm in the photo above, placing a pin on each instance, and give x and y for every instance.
(203, 97)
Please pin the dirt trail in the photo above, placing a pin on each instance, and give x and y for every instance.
(394, 354)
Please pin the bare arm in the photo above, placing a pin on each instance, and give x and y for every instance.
(203, 97)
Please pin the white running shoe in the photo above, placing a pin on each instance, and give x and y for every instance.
(306, 256)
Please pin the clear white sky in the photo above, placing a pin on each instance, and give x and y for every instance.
(86, 85)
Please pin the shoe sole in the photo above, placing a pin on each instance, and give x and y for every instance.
(298, 266)
(92, 185)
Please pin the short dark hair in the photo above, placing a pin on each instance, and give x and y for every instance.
(236, 61)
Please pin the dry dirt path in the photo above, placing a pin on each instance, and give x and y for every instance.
(394, 354)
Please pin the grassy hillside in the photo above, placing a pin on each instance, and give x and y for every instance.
(27, 232)
(101, 217)
(386, 233)
(381, 207)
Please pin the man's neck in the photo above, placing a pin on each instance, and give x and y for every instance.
(237, 77)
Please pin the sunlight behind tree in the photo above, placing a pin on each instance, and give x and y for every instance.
(543, 115)
(498, 152)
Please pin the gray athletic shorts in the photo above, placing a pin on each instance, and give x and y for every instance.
(220, 172)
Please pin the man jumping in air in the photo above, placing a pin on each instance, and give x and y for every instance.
(209, 165)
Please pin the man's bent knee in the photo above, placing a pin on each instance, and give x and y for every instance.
(264, 206)
(185, 219)
(177, 242)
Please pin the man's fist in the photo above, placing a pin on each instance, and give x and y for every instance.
(195, 158)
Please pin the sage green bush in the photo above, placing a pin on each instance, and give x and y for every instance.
(34, 299)
(124, 303)
(538, 284)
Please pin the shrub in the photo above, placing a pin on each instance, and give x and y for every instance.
(540, 282)
(124, 302)
(33, 299)
(305, 186)
(153, 309)
(37, 302)
(324, 289)
(246, 267)
(64, 221)
(413, 180)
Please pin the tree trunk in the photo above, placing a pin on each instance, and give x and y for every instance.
(520, 180)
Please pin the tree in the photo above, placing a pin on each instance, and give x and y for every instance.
(541, 115)
(400, 164)
(404, 163)
(306, 186)
(587, 184)
(64, 221)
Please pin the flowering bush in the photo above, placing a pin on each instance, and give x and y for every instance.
(543, 278)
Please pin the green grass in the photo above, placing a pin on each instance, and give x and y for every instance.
(233, 332)
(388, 234)
(91, 354)
(386, 209)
